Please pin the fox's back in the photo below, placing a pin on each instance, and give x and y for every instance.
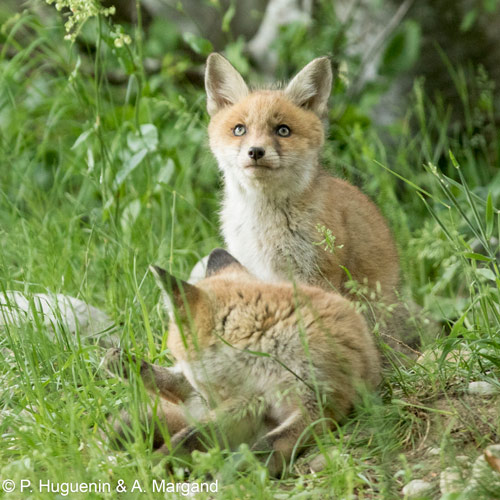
(365, 244)
(275, 338)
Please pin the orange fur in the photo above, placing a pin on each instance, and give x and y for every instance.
(273, 205)
(269, 360)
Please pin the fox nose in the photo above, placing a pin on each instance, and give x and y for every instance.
(256, 153)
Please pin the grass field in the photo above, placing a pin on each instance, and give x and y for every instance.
(98, 180)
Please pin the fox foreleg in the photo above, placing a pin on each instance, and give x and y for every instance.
(169, 382)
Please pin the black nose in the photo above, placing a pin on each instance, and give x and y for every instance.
(256, 153)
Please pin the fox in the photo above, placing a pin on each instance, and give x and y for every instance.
(267, 143)
(255, 362)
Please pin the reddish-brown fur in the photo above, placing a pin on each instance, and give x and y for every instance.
(310, 342)
(272, 207)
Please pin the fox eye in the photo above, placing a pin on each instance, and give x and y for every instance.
(283, 130)
(239, 130)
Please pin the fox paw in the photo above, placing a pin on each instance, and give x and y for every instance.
(273, 460)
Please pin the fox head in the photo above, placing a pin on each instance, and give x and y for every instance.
(267, 139)
(197, 311)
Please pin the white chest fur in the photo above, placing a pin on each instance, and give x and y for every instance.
(273, 239)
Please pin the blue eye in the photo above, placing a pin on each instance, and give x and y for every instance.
(239, 130)
(283, 130)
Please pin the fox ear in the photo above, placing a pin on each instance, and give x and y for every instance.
(220, 260)
(223, 84)
(312, 86)
(176, 293)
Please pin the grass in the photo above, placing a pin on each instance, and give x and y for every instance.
(99, 180)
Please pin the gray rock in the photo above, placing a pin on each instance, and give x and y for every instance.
(484, 482)
(417, 488)
(482, 388)
(56, 312)
(433, 451)
(450, 480)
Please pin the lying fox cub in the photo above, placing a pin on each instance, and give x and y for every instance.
(276, 194)
(268, 360)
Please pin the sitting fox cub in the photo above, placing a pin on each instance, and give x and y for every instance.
(267, 144)
(267, 359)
(276, 194)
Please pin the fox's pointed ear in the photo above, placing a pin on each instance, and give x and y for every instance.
(312, 86)
(221, 260)
(176, 293)
(223, 84)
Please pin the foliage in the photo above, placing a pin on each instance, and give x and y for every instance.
(80, 12)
